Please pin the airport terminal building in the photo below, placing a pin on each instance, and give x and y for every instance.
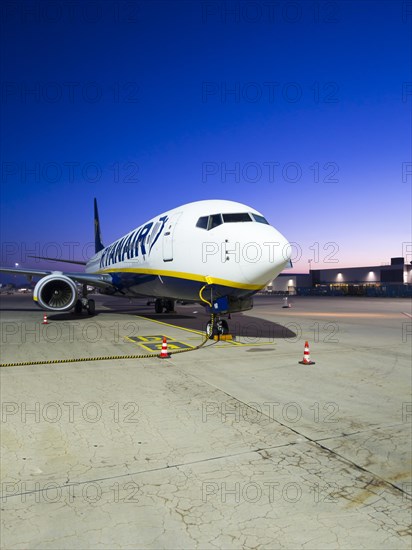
(394, 279)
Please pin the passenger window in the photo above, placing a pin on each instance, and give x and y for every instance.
(215, 220)
(202, 222)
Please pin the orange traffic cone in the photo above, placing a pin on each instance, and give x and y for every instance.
(45, 321)
(306, 356)
(164, 354)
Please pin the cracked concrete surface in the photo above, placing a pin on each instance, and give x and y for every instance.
(217, 448)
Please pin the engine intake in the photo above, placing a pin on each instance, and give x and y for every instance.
(56, 293)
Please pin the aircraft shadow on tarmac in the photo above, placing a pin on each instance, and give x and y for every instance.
(240, 325)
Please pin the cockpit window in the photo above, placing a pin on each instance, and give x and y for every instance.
(231, 218)
(215, 220)
(260, 219)
(209, 222)
(202, 222)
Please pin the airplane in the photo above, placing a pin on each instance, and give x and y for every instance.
(215, 252)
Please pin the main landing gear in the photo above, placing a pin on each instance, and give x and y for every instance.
(84, 303)
(162, 304)
(216, 327)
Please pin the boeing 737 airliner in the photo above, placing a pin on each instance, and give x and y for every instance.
(216, 252)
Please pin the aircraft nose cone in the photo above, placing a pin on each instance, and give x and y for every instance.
(265, 256)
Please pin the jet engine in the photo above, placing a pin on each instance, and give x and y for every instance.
(56, 292)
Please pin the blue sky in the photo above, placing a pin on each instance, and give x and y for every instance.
(299, 109)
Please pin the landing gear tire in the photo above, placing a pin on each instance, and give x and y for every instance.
(217, 328)
(158, 305)
(209, 330)
(222, 327)
(169, 305)
(78, 308)
(91, 307)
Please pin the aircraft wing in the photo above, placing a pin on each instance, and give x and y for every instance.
(97, 280)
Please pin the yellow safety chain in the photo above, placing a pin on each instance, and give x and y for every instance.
(111, 357)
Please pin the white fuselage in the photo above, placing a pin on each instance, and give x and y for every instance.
(176, 253)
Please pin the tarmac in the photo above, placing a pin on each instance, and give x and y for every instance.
(233, 445)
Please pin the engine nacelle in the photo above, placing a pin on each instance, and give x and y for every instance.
(56, 292)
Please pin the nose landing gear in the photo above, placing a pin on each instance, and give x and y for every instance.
(216, 327)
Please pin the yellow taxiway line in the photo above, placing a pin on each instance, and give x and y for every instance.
(202, 333)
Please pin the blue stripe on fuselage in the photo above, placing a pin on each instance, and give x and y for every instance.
(167, 286)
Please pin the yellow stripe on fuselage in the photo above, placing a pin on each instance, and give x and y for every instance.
(183, 275)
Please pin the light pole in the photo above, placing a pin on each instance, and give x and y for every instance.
(15, 276)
